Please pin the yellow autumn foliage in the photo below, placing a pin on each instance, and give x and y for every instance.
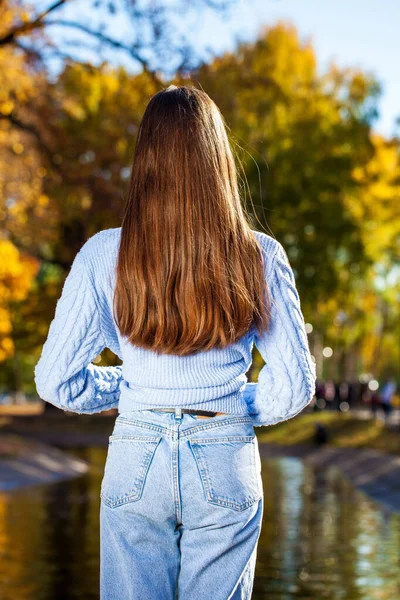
(17, 272)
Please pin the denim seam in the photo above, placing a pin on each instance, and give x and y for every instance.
(139, 438)
(175, 473)
(206, 426)
(146, 425)
(231, 438)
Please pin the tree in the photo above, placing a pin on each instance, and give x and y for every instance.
(299, 137)
(152, 39)
(319, 178)
(17, 273)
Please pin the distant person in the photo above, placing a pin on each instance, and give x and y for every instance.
(352, 394)
(336, 398)
(330, 394)
(319, 395)
(320, 434)
(387, 393)
(375, 400)
(342, 392)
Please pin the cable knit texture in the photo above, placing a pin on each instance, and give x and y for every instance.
(83, 325)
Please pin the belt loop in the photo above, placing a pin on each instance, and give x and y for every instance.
(178, 412)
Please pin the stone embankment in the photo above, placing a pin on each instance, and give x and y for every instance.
(26, 462)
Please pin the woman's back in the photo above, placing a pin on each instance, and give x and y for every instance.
(212, 380)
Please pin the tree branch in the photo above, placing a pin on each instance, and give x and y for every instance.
(106, 39)
(29, 128)
(99, 35)
(30, 25)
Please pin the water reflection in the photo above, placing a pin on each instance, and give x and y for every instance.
(323, 539)
(320, 539)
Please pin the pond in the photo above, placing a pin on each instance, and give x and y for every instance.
(320, 538)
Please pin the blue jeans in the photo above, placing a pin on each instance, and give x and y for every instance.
(181, 508)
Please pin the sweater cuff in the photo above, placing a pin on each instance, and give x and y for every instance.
(249, 395)
(260, 418)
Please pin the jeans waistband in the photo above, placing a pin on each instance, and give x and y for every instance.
(169, 421)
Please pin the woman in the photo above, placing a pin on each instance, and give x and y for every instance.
(180, 292)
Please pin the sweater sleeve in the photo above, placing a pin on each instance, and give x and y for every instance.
(64, 374)
(286, 383)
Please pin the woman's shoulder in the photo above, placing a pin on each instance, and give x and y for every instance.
(104, 241)
(100, 250)
(268, 243)
(101, 238)
(269, 246)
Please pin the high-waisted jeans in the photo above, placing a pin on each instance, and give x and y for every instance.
(181, 508)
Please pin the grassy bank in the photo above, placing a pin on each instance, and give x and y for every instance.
(344, 430)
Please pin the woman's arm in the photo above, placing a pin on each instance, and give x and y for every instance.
(286, 384)
(64, 374)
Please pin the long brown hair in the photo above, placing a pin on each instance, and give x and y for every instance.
(190, 272)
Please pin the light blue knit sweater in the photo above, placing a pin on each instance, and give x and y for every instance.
(214, 380)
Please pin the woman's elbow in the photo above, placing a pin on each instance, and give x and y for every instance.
(49, 392)
(308, 391)
(53, 391)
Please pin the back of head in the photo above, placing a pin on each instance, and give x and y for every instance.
(190, 273)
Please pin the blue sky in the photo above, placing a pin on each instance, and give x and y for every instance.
(352, 33)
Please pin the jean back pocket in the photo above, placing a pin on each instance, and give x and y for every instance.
(229, 470)
(127, 465)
